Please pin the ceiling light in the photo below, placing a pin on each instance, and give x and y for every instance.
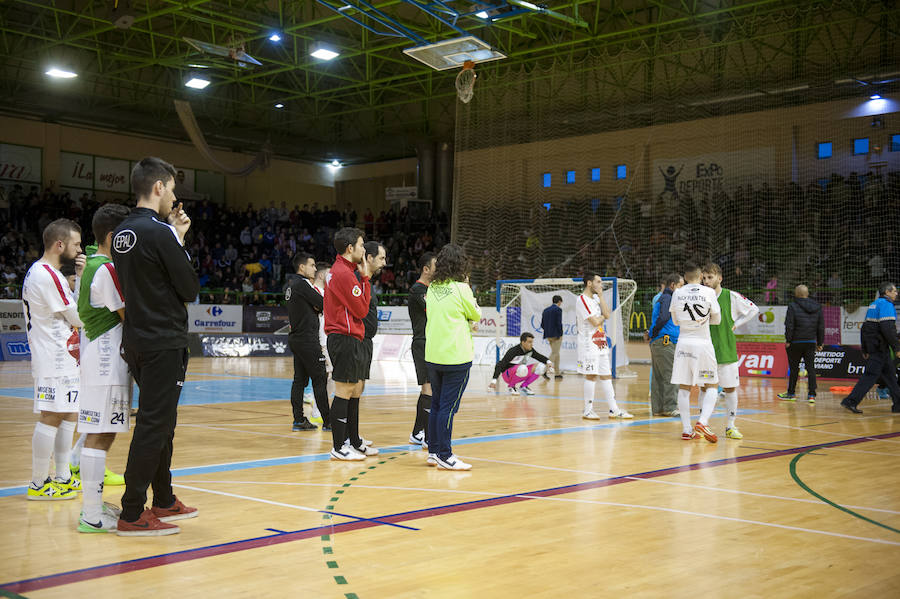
(528, 5)
(279, 105)
(58, 73)
(335, 164)
(875, 97)
(275, 37)
(197, 81)
(483, 15)
(322, 52)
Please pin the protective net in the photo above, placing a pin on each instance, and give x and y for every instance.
(765, 138)
(523, 303)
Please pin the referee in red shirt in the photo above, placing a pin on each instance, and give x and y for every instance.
(346, 304)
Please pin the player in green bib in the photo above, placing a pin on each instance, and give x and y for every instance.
(736, 310)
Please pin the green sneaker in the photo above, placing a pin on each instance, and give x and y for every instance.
(106, 523)
(49, 491)
(73, 483)
(811, 398)
(733, 433)
(787, 396)
(111, 479)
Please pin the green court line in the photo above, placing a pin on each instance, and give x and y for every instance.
(805, 487)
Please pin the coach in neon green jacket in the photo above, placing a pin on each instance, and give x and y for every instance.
(452, 316)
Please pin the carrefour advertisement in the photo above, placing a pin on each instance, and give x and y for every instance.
(214, 318)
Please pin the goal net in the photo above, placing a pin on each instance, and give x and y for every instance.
(523, 301)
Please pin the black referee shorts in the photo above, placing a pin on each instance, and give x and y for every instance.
(418, 356)
(367, 351)
(346, 355)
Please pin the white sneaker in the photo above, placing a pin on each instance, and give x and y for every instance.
(365, 441)
(111, 509)
(621, 414)
(527, 391)
(364, 449)
(452, 463)
(106, 523)
(418, 438)
(513, 391)
(347, 454)
(432, 460)
(591, 415)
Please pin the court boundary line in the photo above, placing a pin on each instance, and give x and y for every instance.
(102, 571)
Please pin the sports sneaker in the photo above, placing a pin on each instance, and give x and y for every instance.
(347, 454)
(706, 432)
(111, 510)
(73, 482)
(884, 393)
(452, 463)
(690, 436)
(176, 511)
(787, 396)
(847, 404)
(811, 398)
(365, 441)
(733, 433)
(106, 523)
(527, 391)
(147, 525)
(366, 450)
(75, 469)
(305, 425)
(621, 414)
(591, 415)
(431, 460)
(417, 439)
(49, 491)
(513, 391)
(111, 479)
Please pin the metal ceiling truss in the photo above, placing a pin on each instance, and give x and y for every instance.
(373, 102)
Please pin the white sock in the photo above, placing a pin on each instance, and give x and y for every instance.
(684, 407)
(41, 450)
(589, 395)
(709, 399)
(609, 393)
(93, 466)
(731, 406)
(76, 451)
(62, 449)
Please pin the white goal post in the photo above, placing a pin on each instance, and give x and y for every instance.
(521, 302)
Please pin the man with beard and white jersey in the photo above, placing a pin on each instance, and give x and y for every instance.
(105, 399)
(736, 310)
(51, 316)
(591, 311)
(694, 307)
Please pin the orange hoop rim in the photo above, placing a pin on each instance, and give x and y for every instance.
(468, 65)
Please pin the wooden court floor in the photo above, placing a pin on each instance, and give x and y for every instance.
(806, 505)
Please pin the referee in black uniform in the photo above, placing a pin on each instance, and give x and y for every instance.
(418, 319)
(157, 279)
(376, 256)
(304, 304)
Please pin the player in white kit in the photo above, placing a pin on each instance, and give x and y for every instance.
(593, 348)
(105, 382)
(694, 307)
(51, 315)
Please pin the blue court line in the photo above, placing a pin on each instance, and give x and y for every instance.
(322, 457)
(375, 520)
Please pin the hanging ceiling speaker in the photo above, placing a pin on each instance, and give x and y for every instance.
(122, 14)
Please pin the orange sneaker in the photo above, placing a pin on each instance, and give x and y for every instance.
(706, 432)
(689, 436)
(176, 511)
(147, 525)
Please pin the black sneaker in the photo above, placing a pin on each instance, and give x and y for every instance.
(848, 405)
(305, 425)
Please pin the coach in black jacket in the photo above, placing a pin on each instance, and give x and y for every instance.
(304, 304)
(157, 279)
(804, 333)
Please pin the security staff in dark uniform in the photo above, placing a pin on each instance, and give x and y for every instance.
(157, 279)
(375, 258)
(304, 304)
(419, 319)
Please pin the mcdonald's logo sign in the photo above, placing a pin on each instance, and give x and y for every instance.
(636, 319)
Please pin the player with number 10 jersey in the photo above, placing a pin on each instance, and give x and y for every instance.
(694, 307)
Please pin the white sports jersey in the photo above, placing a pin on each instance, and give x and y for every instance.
(101, 363)
(694, 308)
(586, 307)
(323, 338)
(742, 309)
(50, 313)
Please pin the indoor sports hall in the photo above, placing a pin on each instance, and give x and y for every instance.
(554, 146)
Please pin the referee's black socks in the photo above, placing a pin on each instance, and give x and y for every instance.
(423, 407)
(353, 423)
(340, 409)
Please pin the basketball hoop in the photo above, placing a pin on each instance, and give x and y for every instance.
(465, 82)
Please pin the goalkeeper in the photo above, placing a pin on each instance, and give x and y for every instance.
(522, 364)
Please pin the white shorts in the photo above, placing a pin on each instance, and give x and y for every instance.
(695, 364)
(728, 376)
(56, 394)
(593, 360)
(101, 364)
(104, 409)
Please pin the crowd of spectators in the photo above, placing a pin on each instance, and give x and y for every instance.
(241, 255)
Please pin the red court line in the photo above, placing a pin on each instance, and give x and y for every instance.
(54, 580)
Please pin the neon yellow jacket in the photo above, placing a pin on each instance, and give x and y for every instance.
(451, 307)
